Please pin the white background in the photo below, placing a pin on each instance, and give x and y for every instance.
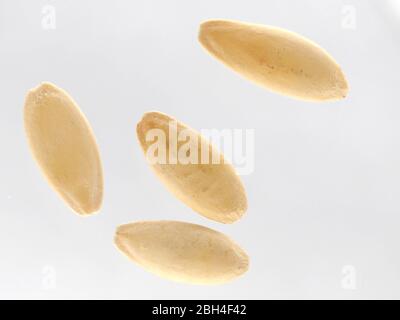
(325, 191)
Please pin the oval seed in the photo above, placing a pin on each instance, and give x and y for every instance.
(193, 170)
(280, 60)
(64, 147)
(182, 252)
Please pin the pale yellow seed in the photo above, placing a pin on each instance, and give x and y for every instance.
(64, 147)
(212, 189)
(182, 252)
(277, 59)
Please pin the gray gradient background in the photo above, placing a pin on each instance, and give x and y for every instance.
(325, 191)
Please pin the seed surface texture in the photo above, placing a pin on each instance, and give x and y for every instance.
(210, 187)
(279, 60)
(182, 252)
(63, 145)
